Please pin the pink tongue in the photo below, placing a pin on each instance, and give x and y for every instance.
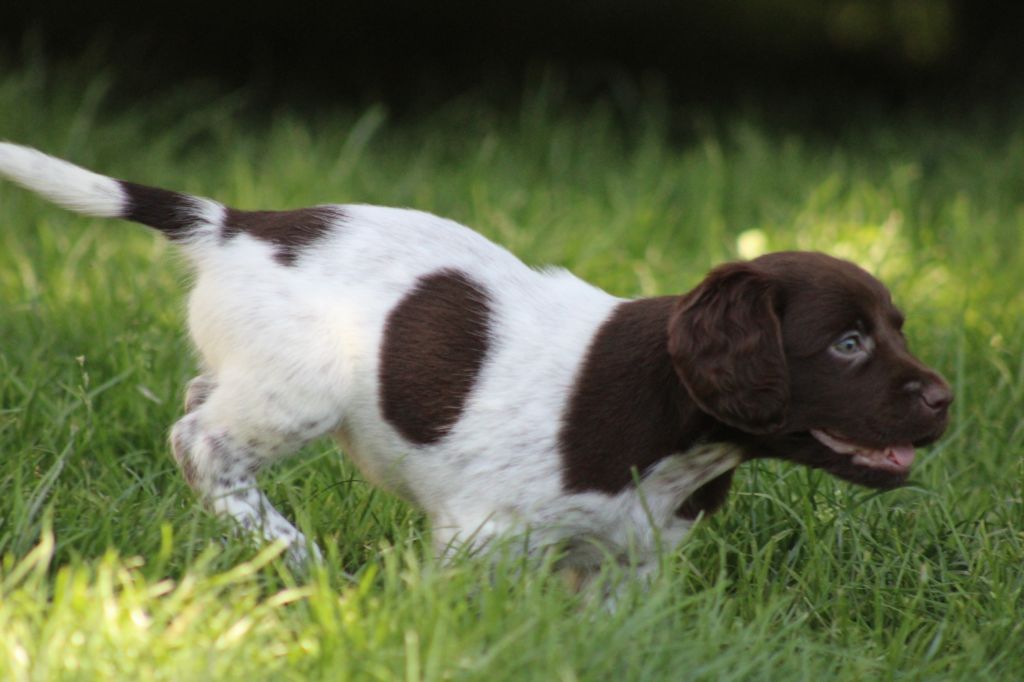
(901, 455)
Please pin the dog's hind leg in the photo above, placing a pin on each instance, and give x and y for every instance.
(232, 430)
(197, 391)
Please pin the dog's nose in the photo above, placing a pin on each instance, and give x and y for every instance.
(935, 393)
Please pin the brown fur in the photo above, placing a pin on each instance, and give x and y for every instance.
(167, 211)
(745, 358)
(434, 344)
(173, 214)
(628, 409)
(290, 231)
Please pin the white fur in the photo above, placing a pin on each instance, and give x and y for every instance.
(62, 183)
(291, 353)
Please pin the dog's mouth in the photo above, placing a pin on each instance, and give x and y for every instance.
(894, 459)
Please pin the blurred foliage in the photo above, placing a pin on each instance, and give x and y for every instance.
(398, 51)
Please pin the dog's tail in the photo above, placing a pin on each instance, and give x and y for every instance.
(180, 217)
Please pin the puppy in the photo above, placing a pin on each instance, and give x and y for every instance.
(504, 400)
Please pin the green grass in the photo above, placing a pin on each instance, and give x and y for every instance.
(110, 570)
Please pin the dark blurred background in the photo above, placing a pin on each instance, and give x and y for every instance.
(942, 53)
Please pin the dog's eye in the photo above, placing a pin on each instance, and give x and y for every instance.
(850, 343)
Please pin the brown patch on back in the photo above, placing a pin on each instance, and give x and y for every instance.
(628, 408)
(434, 345)
(290, 231)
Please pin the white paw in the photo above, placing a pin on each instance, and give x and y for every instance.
(302, 553)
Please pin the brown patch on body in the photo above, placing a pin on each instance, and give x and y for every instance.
(628, 408)
(291, 231)
(435, 341)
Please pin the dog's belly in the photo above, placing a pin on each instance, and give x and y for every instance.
(474, 496)
(380, 468)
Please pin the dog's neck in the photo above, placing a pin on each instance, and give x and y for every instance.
(629, 409)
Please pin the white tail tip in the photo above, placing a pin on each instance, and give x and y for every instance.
(63, 183)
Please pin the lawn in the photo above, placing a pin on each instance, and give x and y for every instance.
(109, 569)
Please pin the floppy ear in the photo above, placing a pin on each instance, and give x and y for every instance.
(725, 341)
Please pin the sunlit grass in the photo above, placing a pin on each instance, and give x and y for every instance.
(110, 570)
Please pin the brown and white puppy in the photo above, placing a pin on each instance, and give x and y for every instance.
(505, 400)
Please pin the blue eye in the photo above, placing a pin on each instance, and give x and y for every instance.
(849, 344)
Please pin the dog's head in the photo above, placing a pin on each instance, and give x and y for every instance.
(804, 355)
